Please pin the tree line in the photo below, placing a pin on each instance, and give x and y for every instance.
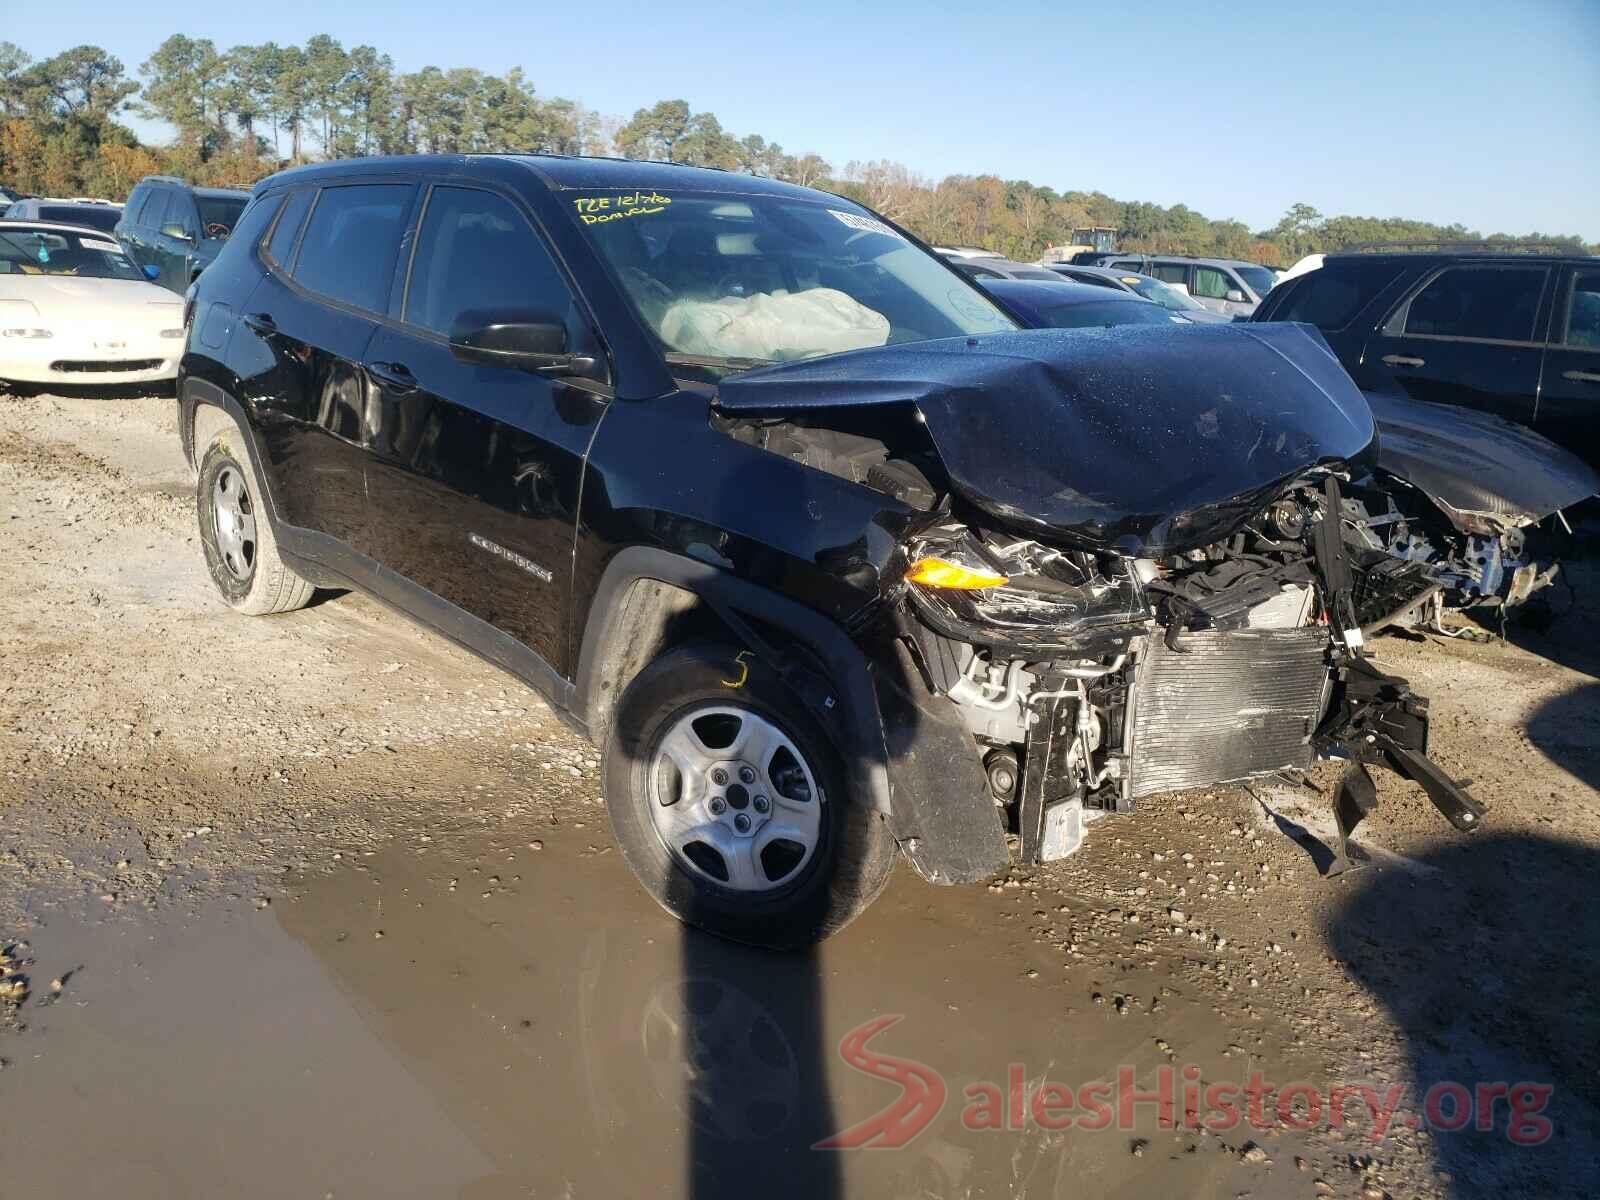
(243, 113)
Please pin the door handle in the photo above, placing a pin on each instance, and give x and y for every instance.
(1403, 360)
(1582, 376)
(397, 377)
(262, 323)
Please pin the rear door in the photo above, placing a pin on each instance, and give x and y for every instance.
(302, 340)
(1470, 335)
(1569, 393)
(475, 469)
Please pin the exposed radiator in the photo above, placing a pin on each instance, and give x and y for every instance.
(1236, 704)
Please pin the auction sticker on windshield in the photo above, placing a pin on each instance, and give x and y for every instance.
(592, 210)
(865, 224)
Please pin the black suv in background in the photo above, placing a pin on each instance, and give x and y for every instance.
(786, 515)
(1516, 335)
(176, 228)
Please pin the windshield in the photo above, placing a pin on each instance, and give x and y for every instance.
(219, 214)
(1163, 294)
(1259, 278)
(730, 281)
(1102, 314)
(58, 252)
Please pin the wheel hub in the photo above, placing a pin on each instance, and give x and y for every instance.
(234, 523)
(733, 799)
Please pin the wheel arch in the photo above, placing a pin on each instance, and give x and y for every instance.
(650, 600)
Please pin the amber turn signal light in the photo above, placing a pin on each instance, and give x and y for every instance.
(942, 573)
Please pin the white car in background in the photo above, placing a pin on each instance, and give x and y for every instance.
(74, 310)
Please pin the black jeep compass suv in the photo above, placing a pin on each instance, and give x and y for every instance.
(833, 560)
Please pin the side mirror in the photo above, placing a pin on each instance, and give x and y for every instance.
(152, 272)
(173, 230)
(525, 342)
(1235, 296)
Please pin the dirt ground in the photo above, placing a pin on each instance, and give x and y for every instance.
(318, 905)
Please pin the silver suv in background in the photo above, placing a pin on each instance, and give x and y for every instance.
(1224, 285)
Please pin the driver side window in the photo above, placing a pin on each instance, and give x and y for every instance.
(477, 254)
(1211, 284)
(181, 212)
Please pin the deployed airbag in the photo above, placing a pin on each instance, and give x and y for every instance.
(773, 325)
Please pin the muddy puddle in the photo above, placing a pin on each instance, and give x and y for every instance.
(498, 1020)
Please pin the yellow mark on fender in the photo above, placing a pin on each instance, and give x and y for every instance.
(595, 210)
(744, 670)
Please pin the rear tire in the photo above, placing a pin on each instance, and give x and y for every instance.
(236, 534)
(774, 891)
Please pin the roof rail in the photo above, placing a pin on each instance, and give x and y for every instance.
(165, 179)
(1484, 246)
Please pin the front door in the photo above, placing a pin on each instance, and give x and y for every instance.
(1569, 394)
(175, 240)
(474, 470)
(1468, 336)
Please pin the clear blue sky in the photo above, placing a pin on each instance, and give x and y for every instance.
(1483, 113)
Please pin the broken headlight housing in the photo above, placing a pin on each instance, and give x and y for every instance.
(1016, 594)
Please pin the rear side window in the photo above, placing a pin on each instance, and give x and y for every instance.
(1171, 272)
(476, 254)
(1498, 303)
(281, 245)
(351, 242)
(1583, 311)
(1331, 296)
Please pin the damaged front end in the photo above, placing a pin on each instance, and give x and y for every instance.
(1130, 575)
(1465, 499)
(1090, 682)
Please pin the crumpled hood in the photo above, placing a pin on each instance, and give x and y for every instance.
(1473, 462)
(1142, 440)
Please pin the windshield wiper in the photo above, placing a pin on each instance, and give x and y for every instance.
(710, 360)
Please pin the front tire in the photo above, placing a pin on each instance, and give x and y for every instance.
(236, 534)
(728, 802)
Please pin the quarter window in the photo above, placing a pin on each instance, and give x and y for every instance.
(281, 245)
(351, 242)
(253, 224)
(1498, 303)
(1583, 311)
(476, 253)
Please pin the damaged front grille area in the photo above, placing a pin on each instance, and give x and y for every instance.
(1227, 705)
(1091, 682)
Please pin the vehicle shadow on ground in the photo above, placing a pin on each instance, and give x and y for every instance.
(755, 1087)
(1486, 963)
(1566, 729)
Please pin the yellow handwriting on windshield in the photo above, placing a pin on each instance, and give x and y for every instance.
(592, 210)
